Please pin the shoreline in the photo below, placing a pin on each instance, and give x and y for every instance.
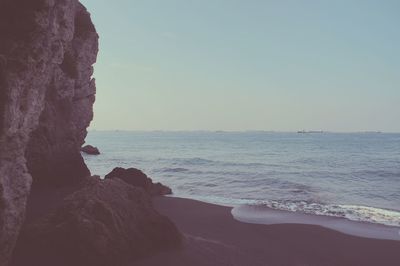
(214, 237)
(269, 216)
(255, 214)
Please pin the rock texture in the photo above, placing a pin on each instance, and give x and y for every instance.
(53, 151)
(137, 178)
(47, 50)
(106, 222)
(89, 149)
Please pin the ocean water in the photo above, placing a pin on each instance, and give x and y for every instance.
(351, 175)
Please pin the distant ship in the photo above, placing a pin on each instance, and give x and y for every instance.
(372, 132)
(310, 132)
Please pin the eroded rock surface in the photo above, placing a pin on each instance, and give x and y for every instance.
(137, 178)
(47, 49)
(53, 151)
(105, 222)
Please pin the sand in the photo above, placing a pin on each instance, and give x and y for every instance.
(213, 237)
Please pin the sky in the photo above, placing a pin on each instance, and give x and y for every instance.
(247, 65)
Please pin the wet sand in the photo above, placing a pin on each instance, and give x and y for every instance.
(264, 215)
(213, 237)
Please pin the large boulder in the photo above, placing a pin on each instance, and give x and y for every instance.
(106, 222)
(137, 178)
(47, 50)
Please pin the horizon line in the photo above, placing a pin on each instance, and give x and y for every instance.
(248, 131)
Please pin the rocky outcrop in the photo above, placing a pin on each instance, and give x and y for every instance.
(47, 50)
(89, 149)
(106, 222)
(53, 152)
(137, 178)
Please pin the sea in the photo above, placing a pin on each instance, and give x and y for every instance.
(355, 176)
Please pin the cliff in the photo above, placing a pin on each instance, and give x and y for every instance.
(48, 200)
(47, 50)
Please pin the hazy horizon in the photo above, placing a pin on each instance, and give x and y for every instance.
(247, 66)
(240, 131)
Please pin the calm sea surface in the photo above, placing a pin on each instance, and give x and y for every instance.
(356, 176)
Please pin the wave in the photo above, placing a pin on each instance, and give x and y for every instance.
(191, 161)
(355, 213)
(194, 161)
(378, 173)
(357, 227)
(351, 212)
(172, 170)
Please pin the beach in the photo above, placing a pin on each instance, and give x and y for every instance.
(353, 176)
(213, 237)
(223, 133)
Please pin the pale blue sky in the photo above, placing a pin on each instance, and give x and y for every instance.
(247, 65)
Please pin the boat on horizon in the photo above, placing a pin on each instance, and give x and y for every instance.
(310, 131)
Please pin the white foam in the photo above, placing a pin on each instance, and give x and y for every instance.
(351, 212)
(265, 215)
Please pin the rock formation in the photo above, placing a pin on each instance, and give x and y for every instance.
(105, 222)
(89, 149)
(53, 151)
(47, 50)
(137, 178)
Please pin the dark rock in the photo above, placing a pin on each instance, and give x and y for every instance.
(160, 189)
(106, 222)
(132, 176)
(53, 151)
(47, 51)
(89, 149)
(137, 178)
